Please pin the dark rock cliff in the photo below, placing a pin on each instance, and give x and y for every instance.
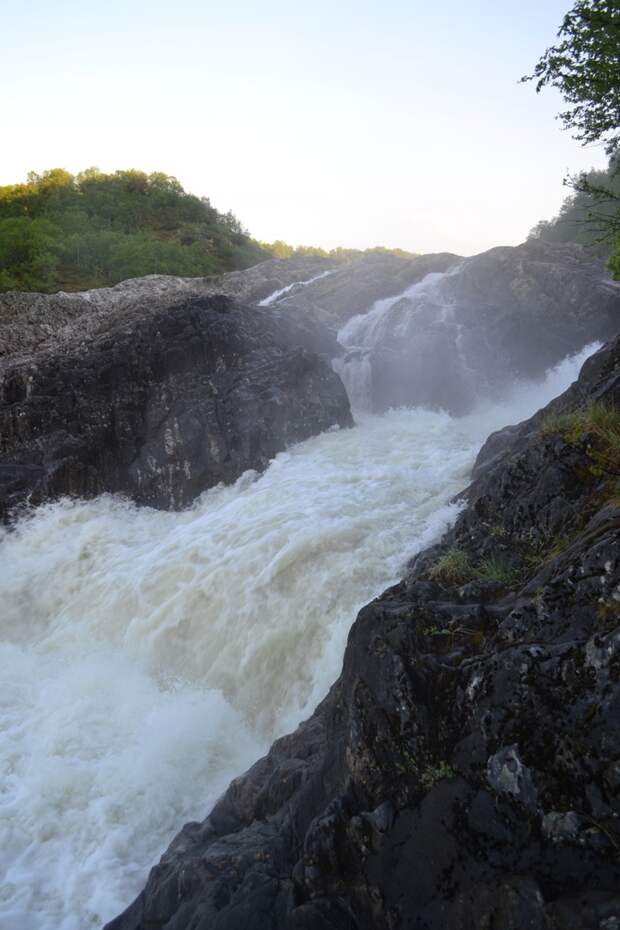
(153, 396)
(464, 770)
(509, 313)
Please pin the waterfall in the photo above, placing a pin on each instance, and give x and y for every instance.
(393, 318)
(355, 372)
(272, 298)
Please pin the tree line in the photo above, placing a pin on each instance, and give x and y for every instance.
(72, 232)
(60, 231)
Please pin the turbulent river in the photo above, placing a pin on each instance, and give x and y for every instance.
(148, 657)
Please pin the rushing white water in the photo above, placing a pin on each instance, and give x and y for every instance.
(391, 314)
(395, 316)
(149, 657)
(272, 298)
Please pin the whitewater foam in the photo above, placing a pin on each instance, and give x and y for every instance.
(366, 329)
(149, 657)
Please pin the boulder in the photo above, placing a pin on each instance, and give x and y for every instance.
(154, 399)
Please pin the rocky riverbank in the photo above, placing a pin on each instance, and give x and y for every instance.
(464, 770)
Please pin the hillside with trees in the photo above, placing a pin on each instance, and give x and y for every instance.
(60, 231)
(67, 232)
(280, 249)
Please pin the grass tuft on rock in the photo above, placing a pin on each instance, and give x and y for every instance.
(454, 567)
(600, 423)
(497, 571)
(600, 419)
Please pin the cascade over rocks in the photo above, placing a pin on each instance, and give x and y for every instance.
(351, 288)
(464, 770)
(457, 330)
(151, 391)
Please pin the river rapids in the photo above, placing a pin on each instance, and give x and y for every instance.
(147, 658)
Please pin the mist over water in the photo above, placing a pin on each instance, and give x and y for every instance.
(150, 657)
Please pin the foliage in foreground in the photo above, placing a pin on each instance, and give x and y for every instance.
(455, 567)
(583, 66)
(589, 215)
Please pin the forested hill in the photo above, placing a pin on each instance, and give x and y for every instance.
(67, 232)
(73, 232)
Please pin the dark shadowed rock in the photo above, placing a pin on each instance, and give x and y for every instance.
(464, 770)
(29, 321)
(155, 400)
(461, 329)
(510, 313)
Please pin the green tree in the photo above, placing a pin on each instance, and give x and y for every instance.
(585, 67)
(589, 215)
(28, 254)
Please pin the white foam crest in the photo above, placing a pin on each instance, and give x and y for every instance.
(366, 329)
(394, 316)
(149, 657)
(267, 301)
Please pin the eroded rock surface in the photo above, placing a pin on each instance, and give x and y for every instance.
(153, 397)
(464, 770)
(32, 321)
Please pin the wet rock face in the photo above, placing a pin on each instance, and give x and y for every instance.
(509, 313)
(531, 305)
(598, 380)
(159, 402)
(468, 327)
(464, 770)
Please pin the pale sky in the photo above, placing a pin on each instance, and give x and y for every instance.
(393, 122)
